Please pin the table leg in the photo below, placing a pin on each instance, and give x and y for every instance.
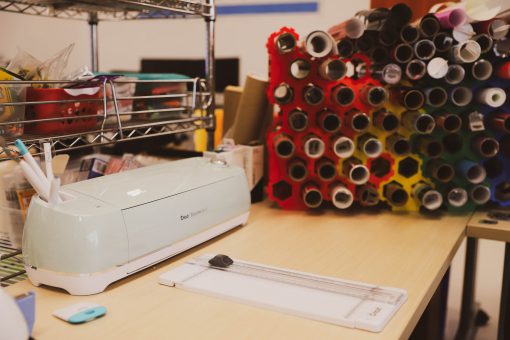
(468, 307)
(504, 307)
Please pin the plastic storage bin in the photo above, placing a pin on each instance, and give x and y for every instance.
(73, 106)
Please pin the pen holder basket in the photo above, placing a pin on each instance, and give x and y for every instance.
(12, 224)
(73, 103)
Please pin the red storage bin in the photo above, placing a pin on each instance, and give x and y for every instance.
(61, 110)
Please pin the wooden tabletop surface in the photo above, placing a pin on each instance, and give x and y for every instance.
(405, 251)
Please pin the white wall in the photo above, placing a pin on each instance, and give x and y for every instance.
(123, 44)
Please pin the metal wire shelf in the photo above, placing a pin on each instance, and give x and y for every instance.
(11, 263)
(111, 9)
(110, 120)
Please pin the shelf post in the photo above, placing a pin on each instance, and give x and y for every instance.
(210, 72)
(93, 21)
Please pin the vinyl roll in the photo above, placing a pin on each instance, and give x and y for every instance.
(313, 95)
(346, 48)
(283, 94)
(285, 43)
(409, 34)
(284, 146)
(311, 195)
(367, 195)
(416, 69)
(313, 146)
(424, 49)
(437, 68)
(370, 145)
(443, 42)
(403, 53)
(341, 197)
(297, 170)
(457, 197)
(418, 122)
(455, 74)
(332, 69)
(343, 95)
(300, 69)
(373, 95)
(398, 145)
(342, 146)
(351, 28)
(466, 52)
(428, 198)
(430, 147)
(386, 120)
(395, 194)
(358, 121)
(480, 194)
(389, 73)
(252, 111)
(485, 146)
(326, 170)
(298, 120)
(485, 42)
(500, 122)
(329, 121)
(441, 171)
(429, 25)
(481, 69)
(461, 96)
(471, 171)
(319, 44)
(355, 171)
(449, 122)
(452, 18)
(436, 96)
(491, 96)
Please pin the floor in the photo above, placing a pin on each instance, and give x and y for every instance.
(488, 287)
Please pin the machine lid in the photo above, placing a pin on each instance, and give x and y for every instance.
(140, 186)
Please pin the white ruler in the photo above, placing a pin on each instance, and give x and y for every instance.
(341, 302)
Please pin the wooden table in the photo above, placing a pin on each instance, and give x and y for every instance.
(486, 225)
(404, 251)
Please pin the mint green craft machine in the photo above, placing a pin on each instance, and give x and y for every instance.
(110, 227)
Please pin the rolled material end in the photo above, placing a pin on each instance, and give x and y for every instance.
(449, 122)
(452, 18)
(466, 52)
(356, 171)
(481, 69)
(498, 29)
(333, 69)
(312, 196)
(455, 74)
(343, 95)
(319, 44)
(298, 120)
(472, 172)
(326, 170)
(430, 147)
(374, 95)
(409, 34)
(416, 69)
(492, 96)
(413, 99)
(398, 145)
(441, 171)
(367, 196)
(341, 197)
(437, 68)
(480, 194)
(457, 197)
(429, 198)
(283, 94)
(313, 95)
(424, 49)
(436, 96)
(329, 121)
(485, 146)
(429, 26)
(285, 43)
(443, 42)
(395, 194)
(297, 170)
(421, 123)
(357, 120)
(299, 69)
(345, 48)
(370, 146)
(403, 53)
(284, 146)
(343, 147)
(484, 41)
(500, 122)
(386, 121)
(314, 147)
(461, 96)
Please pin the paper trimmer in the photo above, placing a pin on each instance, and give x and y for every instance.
(340, 302)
